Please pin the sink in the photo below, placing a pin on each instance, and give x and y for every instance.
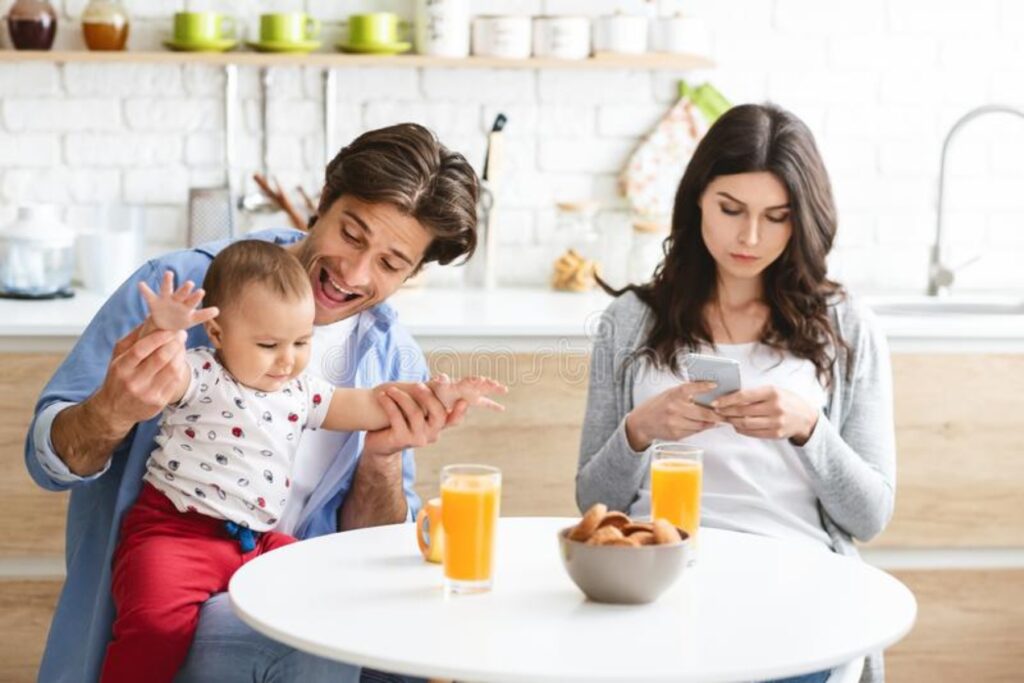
(933, 306)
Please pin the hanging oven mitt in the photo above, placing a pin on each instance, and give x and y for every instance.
(651, 176)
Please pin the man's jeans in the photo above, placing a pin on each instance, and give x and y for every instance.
(227, 651)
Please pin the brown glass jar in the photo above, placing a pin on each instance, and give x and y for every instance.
(32, 25)
(105, 25)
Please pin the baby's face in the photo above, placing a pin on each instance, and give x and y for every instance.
(264, 339)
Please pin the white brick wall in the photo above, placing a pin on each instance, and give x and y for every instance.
(157, 185)
(594, 87)
(29, 79)
(479, 85)
(29, 150)
(173, 115)
(61, 115)
(122, 149)
(879, 82)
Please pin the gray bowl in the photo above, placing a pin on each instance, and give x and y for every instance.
(621, 575)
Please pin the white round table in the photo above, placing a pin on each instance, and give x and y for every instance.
(752, 608)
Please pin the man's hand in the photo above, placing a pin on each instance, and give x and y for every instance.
(143, 377)
(417, 419)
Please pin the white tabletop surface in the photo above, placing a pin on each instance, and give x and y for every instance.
(752, 608)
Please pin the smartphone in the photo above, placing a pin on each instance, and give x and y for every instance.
(723, 371)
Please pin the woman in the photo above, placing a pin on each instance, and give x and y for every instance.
(806, 449)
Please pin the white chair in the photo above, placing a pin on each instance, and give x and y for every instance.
(847, 673)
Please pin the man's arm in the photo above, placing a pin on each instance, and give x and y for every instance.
(143, 376)
(84, 438)
(147, 372)
(101, 389)
(377, 495)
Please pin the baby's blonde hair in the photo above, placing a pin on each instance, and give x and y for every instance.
(254, 261)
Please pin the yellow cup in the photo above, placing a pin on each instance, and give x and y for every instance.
(430, 531)
(470, 502)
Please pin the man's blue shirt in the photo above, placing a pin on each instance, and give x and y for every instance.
(80, 631)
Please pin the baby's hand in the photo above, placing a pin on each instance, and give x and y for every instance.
(175, 309)
(472, 390)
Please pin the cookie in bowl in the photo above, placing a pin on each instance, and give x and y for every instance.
(614, 559)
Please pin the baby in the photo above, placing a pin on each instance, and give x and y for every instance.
(218, 480)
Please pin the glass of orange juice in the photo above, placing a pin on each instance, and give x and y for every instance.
(470, 502)
(676, 473)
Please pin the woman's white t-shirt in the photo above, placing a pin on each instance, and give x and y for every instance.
(750, 484)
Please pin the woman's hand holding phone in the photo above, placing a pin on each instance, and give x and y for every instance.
(671, 415)
(768, 412)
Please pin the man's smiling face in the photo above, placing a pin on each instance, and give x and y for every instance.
(358, 254)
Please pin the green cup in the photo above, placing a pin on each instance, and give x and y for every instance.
(197, 27)
(373, 28)
(288, 27)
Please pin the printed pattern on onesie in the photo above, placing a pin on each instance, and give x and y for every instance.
(226, 450)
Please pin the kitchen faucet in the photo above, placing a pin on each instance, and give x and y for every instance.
(940, 276)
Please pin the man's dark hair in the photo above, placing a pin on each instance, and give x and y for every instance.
(406, 166)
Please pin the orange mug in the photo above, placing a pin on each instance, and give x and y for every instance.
(429, 531)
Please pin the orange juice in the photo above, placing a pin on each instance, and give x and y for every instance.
(675, 492)
(469, 514)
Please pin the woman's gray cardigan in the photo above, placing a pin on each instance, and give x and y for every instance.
(850, 457)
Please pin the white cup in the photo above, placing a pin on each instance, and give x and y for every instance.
(109, 248)
(561, 37)
(506, 37)
(621, 34)
(681, 33)
(442, 28)
(106, 259)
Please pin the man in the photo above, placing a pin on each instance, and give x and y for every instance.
(393, 200)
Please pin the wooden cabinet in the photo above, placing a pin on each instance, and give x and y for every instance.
(32, 519)
(961, 474)
(959, 434)
(26, 606)
(960, 460)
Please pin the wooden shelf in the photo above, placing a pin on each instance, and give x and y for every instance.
(650, 61)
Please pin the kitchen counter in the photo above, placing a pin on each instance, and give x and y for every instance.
(515, 320)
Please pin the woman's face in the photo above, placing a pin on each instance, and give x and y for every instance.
(745, 222)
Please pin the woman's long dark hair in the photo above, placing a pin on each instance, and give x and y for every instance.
(746, 139)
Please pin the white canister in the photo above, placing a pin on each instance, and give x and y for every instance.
(621, 34)
(36, 257)
(442, 28)
(647, 250)
(506, 37)
(681, 33)
(561, 37)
